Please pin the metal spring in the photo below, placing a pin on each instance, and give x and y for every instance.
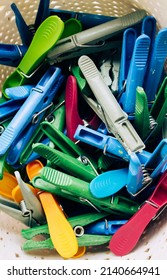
(146, 176)
(153, 123)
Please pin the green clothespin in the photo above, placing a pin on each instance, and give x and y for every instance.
(159, 109)
(63, 143)
(71, 27)
(82, 83)
(77, 223)
(142, 115)
(46, 36)
(80, 167)
(78, 190)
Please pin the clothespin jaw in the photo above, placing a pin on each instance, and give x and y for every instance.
(11, 54)
(144, 123)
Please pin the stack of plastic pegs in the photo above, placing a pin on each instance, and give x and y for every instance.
(83, 148)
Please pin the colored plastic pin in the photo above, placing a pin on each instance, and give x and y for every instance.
(61, 232)
(73, 118)
(9, 108)
(11, 55)
(126, 238)
(116, 119)
(159, 109)
(110, 145)
(26, 208)
(20, 92)
(46, 36)
(39, 99)
(157, 60)
(144, 123)
(79, 167)
(129, 39)
(63, 143)
(77, 189)
(136, 73)
(78, 223)
(73, 46)
(27, 31)
(105, 227)
(109, 183)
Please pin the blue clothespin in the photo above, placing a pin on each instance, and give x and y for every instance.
(105, 227)
(128, 43)
(11, 54)
(27, 31)
(110, 145)
(136, 73)
(33, 109)
(19, 92)
(141, 175)
(9, 108)
(157, 59)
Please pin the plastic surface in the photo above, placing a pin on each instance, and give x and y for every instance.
(152, 245)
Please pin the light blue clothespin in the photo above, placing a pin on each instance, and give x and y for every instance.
(128, 43)
(110, 145)
(33, 109)
(157, 59)
(136, 74)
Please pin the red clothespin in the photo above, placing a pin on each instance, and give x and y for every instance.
(126, 238)
(73, 118)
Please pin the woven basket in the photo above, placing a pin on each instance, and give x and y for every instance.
(153, 243)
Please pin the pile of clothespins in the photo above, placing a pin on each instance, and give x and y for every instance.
(83, 148)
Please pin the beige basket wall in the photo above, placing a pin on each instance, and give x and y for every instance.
(153, 244)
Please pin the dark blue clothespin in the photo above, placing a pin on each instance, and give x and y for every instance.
(11, 54)
(26, 32)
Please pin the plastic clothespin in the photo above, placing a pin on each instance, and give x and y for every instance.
(136, 73)
(149, 28)
(74, 45)
(164, 128)
(109, 183)
(79, 167)
(110, 145)
(159, 109)
(11, 55)
(19, 93)
(154, 73)
(77, 189)
(141, 175)
(26, 32)
(9, 108)
(115, 118)
(78, 223)
(106, 227)
(128, 42)
(126, 238)
(32, 109)
(144, 123)
(64, 144)
(73, 118)
(46, 36)
(23, 204)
